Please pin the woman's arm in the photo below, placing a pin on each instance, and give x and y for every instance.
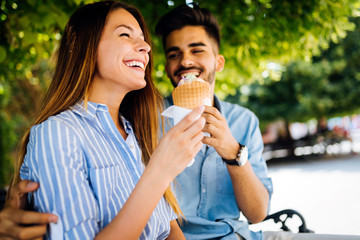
(171, 156)
(56, 155)
(55, 158)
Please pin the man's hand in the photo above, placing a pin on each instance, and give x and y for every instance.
(220, 136)
(13, 219)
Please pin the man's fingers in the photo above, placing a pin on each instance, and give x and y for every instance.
(28, 217)
(34, 231)
(17, 192)
(14, 223)
(214, 131)
(28, 232)
(213, 111)
(25, 186)
(209, 141)
(210, 118)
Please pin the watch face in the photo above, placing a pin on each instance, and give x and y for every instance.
(241, 159)
(244, 156)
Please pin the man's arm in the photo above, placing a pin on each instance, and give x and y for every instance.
(175, 231)
(14, 220)
(251, 195)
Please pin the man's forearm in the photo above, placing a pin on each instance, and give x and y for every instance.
(251, 195)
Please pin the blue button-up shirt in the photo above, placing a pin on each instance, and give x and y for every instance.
(205, 190)
(87, 171)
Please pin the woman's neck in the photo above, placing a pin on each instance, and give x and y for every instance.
(112, 100)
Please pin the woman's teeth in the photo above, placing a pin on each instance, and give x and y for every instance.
(136, 64)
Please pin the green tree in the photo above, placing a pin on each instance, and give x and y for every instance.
(326, 87)
(29, 31)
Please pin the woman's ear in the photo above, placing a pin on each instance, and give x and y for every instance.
(220, 63)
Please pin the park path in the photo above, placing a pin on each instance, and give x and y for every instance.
(325, 191)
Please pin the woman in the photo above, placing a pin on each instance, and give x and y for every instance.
(98, 130)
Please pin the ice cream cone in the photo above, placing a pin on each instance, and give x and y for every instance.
(191, 94)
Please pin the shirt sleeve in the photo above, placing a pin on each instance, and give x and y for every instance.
(55, 158)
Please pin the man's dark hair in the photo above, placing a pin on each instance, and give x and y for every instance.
(183, 16)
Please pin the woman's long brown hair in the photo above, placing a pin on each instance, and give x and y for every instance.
(74, 71)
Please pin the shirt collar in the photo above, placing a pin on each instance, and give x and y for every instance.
(93, 108)
(90, 111)
(127, 124)
(217, 103)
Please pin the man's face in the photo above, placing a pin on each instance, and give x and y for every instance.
(191, 50)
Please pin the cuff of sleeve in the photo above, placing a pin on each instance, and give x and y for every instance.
(56, 230)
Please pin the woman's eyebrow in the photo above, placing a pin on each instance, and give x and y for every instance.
(125, 26)
(128, 27)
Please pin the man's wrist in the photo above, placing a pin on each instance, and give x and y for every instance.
(231, 153)
(240, 159)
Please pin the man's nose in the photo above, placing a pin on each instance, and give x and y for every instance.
(187, 60)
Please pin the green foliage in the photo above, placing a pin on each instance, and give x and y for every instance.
(258, 32)
(329, 86)
(254, 33)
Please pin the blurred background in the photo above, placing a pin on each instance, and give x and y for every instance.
(295, 63)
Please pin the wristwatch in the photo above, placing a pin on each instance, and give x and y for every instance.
(241, 158)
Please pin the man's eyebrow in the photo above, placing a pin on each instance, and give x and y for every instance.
(172, 49)
(197, 44)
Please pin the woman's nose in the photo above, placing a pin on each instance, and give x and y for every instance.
(143, 46)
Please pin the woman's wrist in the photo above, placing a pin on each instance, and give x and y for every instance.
(157, 176)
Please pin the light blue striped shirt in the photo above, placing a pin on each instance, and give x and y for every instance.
(86, 173)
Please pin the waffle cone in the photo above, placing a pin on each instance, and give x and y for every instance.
(191, 94)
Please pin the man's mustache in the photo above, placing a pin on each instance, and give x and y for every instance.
(181, 68)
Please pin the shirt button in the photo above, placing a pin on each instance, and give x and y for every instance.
(132, 146)
(204, 190)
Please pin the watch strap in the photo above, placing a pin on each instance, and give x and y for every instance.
(238, 161)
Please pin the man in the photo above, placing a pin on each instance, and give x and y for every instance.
(229, 175)
(222, 181)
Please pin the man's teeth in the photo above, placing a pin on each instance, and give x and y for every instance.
(135, 64)
(187, 75)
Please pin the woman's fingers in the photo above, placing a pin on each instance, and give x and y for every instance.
(189, 119)
(180, 144)
(195, 128)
